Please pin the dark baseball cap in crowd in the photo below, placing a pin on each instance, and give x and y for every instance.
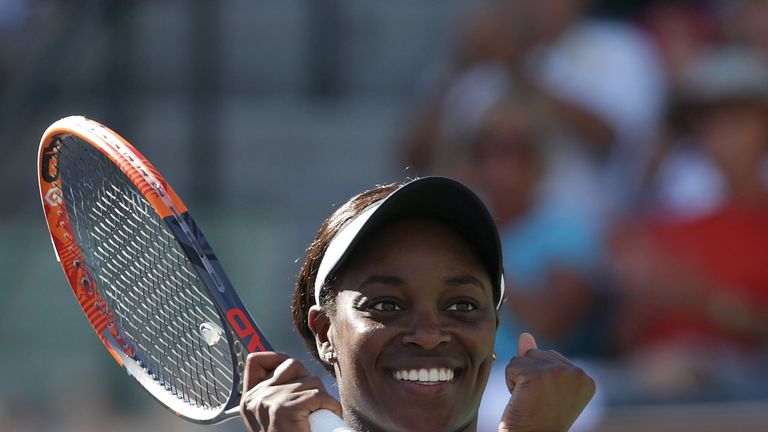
(438, 198)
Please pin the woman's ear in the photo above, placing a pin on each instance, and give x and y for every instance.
(320, 325)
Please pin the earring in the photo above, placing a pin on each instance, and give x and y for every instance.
(494, 356)
(329, 356)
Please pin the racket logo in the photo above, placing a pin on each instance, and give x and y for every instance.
(52, 197)
(245, 330)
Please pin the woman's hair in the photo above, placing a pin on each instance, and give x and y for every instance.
(303, 294)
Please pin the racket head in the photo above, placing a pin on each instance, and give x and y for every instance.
(142, 271)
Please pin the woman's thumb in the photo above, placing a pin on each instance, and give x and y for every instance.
(524, 343)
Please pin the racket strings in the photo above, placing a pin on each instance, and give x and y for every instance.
(157, 299)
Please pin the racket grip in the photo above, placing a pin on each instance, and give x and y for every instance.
(326, 421)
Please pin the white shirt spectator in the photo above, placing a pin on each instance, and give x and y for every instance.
(613, 71)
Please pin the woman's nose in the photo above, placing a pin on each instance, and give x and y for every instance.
(426, 331)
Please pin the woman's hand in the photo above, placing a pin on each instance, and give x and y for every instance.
(547, 391)
(279, 394)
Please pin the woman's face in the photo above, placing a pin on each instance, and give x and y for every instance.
(413, 329)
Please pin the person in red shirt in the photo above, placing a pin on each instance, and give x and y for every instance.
(696, 288)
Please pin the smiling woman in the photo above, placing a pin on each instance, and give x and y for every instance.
(395, 327)
(398, 299)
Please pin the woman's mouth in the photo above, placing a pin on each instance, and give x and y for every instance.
(424, 375)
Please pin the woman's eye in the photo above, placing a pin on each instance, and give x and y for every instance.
(462, 306)
(386, 306)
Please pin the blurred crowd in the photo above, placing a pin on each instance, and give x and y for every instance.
(625, 162)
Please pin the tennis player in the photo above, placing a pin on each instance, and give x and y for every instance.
(398, 299)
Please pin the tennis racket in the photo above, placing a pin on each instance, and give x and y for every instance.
(145, 276)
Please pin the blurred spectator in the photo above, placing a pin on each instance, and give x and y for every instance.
(599, 82)
(610, 70)
(490, 44)
(695, 322)
(551, 254)
(688, 181)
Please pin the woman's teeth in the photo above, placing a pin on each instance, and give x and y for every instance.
(425, 375)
